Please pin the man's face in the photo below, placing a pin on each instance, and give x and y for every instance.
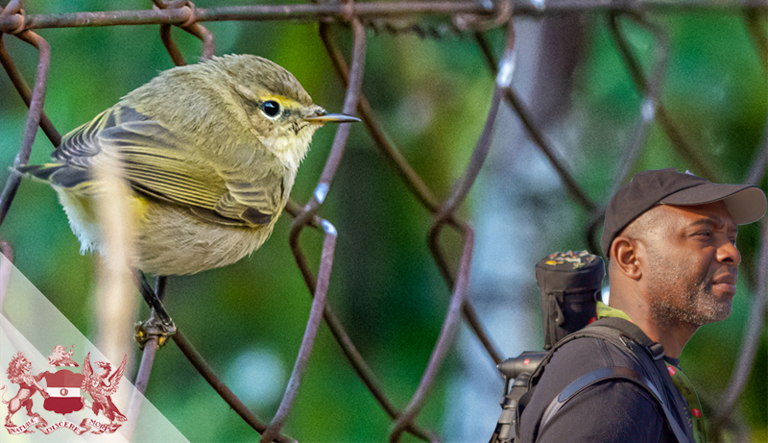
(692, 264)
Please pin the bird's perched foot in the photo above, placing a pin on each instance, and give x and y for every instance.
(156, 328)
(159, 324)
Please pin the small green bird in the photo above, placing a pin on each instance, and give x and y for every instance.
(210, 152)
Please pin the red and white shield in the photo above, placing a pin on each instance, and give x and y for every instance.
(64, 390)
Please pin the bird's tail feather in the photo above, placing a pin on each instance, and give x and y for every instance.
(58, 174)
(43, 172)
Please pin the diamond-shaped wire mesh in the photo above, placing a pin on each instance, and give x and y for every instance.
(644, 42)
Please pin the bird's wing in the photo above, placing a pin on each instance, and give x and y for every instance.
(157, 163)
(81, 146)
(255, 200)
(78, 150)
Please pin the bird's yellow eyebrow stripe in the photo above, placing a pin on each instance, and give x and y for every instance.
(285, 101)
(248, 93)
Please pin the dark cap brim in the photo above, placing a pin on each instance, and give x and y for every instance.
(745, 203)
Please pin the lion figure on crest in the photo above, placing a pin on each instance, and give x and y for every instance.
(19, 372)
(102, 386)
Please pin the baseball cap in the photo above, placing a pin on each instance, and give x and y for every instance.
(745, 203)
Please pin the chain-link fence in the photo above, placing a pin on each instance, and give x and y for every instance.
(491, 28)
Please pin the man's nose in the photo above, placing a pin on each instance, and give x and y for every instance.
(728, 253)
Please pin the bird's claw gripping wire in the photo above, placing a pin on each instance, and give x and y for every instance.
(153, 328)
(159, 325)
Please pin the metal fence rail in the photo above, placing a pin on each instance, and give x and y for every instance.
(469, 17)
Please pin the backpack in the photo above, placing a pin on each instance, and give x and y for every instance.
(627, 337)
(570, 287)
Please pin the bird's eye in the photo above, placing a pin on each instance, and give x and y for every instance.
(271, 108)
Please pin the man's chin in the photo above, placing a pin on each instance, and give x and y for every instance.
(718, 311)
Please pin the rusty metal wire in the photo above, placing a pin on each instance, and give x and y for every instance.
(5, 271)
(26, 94)
(309, 211)
(196, 29)
(413, 182)
(662, 116)
(35, 103)
(461, 286)
(756, 322)
(650, 109)
(755, 325)
(315, 12)
(650, 90)
(224, 392)
(512, 98)
(150, 347)
(757, 32)
(465, 16)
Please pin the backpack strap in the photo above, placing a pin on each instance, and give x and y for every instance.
(612, 373)
(631, 330)
(653, 364)
(589, 331)
(533, 381)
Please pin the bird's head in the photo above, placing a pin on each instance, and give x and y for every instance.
(279, 110)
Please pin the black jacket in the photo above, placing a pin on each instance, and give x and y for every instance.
(609, 411)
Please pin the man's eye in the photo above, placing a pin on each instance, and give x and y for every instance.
(704, 233)
(271, 108)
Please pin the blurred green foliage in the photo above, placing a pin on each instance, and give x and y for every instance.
(433, 96)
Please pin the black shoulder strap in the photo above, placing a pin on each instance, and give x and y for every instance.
(601, 333)
(589, 331)
(608, 373)
(654, 364)
(631, 330)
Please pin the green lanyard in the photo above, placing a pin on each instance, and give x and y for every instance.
(693, 406)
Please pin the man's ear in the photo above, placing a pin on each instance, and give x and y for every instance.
(624, 255)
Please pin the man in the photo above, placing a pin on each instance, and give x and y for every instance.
(670, 239)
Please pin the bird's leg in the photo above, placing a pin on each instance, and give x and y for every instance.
(159, 324)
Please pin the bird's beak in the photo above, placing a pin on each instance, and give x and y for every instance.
(322, 117)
